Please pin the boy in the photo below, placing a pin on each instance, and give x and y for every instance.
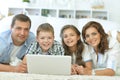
(45, 43)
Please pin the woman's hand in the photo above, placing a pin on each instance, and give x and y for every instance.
(83, 71)
(80, 70)
(73, 69)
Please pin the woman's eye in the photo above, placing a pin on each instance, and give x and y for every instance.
(94, 33)
(87, 36)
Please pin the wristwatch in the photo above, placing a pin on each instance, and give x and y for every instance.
(93, 72)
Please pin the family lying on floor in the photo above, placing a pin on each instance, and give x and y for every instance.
(93, 51)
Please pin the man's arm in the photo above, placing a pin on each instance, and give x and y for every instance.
(8, 68)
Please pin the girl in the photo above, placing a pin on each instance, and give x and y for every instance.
(75, 48)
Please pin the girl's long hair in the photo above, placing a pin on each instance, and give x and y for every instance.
(80, 45)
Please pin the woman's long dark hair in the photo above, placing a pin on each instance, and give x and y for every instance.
(80, 45)
(103, 45)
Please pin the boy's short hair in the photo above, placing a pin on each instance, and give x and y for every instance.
(45, 27)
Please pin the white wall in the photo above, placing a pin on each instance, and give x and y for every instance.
(114, 9)
(112, 6)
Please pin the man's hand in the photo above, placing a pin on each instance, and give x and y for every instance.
(22, 68)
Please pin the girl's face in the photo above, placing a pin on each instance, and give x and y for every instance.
(70, 38)
(92, 37)
(45, 40)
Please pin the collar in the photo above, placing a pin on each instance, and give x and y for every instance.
(51, 49)
(10, 41)
(91, 49)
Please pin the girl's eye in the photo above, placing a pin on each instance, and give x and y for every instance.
(64, 36)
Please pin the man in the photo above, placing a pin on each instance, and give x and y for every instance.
(13, 44)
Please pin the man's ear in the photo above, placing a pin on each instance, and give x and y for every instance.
(118, 36)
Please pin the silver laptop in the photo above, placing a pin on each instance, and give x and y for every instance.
(49, 64)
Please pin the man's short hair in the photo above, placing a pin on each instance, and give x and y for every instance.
(20, 17)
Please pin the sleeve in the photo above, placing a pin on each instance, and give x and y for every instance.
(86, 54)
(2, 46)
(3, 50)
(113, 56)
(61, 49)
(31, 37)
(58, 48)
(32, 48)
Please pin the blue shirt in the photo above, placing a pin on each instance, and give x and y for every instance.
(6, 46)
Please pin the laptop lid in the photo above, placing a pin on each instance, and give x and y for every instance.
(49, 64)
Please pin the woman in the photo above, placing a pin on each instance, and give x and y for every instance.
(75, 48)
(104, 50)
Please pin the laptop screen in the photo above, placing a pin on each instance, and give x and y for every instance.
(49, 64)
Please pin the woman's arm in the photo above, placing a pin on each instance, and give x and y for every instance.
(105, 72)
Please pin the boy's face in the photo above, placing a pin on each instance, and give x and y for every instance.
(45, 40)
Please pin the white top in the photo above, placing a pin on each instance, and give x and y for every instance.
(73, 58)
(85, 55)
(13, 59)
(109, 59)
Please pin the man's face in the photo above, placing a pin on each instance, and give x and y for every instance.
(20, 32)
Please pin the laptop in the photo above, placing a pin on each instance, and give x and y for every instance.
(48, 64)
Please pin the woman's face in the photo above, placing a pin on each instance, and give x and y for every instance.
(70, 38)
(92, 37)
